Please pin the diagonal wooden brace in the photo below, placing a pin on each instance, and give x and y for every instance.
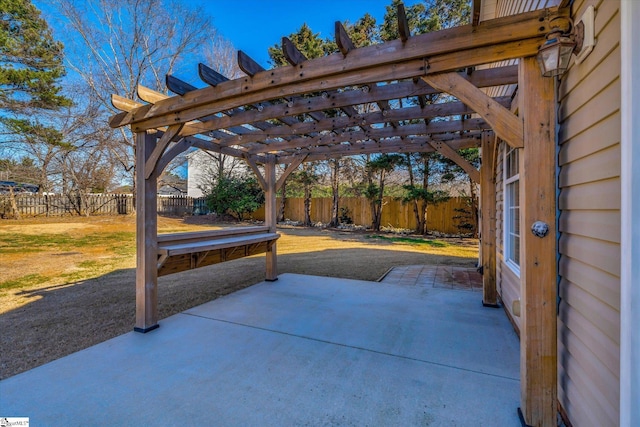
(505, 124)
(254, 167)
(292, 166)
(163, 143)
(451, 154)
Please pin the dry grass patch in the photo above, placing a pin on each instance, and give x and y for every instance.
(68, 283)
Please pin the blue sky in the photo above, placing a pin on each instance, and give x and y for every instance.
(254, 25)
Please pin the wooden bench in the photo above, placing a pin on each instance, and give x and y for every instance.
(185, 251)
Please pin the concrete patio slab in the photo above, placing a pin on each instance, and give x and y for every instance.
(300, 351)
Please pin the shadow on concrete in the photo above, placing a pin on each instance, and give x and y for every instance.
(60, 320)
(304, 350)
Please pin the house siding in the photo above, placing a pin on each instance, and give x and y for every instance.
(508, 283)
(589, 245)
(589, 224)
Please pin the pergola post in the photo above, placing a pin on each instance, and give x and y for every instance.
(538, 269)
(488, 226)
(146, 238)
(270, 216)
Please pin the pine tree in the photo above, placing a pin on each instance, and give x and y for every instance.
(30, 60)
(308, 42)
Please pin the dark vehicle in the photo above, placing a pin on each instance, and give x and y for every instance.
(18, 187)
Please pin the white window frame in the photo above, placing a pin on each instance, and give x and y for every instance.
(507, 210)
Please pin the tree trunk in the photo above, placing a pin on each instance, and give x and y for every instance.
(377, 215)
(221, 171)
(414, 202)
(423, 217)
(283, 202)
(335, 192)
(307, 205)
(474, 208)
(425, 203)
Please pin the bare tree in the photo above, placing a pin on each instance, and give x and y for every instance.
(118, 44)
(220, 54)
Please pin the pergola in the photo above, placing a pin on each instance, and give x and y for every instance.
(348, 103)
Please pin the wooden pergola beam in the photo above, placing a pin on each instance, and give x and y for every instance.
(377, 133)
(482, 78)
(345, 45)
(213, 78)
(210, 76)
(295, 57)
(403, 25)
(364, 64)
(453, 155)
(385, 107)
(124, 104)
(393, 145)
(505, 124)
(476, 7)
(248, 65)
(149, 95)
(153, 96)
(338, 123)
(291, 52)
(178, 86)
(215, 148)
(406, 70)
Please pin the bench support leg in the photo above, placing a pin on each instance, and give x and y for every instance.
(146, 239)
(270, 217)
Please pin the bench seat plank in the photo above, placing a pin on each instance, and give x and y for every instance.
(171, 249)
(210, 234)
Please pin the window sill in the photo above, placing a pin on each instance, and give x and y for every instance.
(515, 268)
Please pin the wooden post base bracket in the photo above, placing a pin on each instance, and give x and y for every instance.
(490, 305)
(145, 330)
(522, 421)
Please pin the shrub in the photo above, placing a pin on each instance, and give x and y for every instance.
(235, 195)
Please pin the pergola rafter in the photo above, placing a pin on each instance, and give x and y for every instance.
(460, 47)
(343, 122)
(368, 100)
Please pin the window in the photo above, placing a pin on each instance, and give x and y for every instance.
(512, 209)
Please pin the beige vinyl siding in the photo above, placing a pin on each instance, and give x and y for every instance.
(589, 222)
(507, 281)
(589, 181)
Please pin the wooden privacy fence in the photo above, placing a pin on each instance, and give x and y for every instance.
(30, 205)
(180, 205)
(62, 204)
(445, 217)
